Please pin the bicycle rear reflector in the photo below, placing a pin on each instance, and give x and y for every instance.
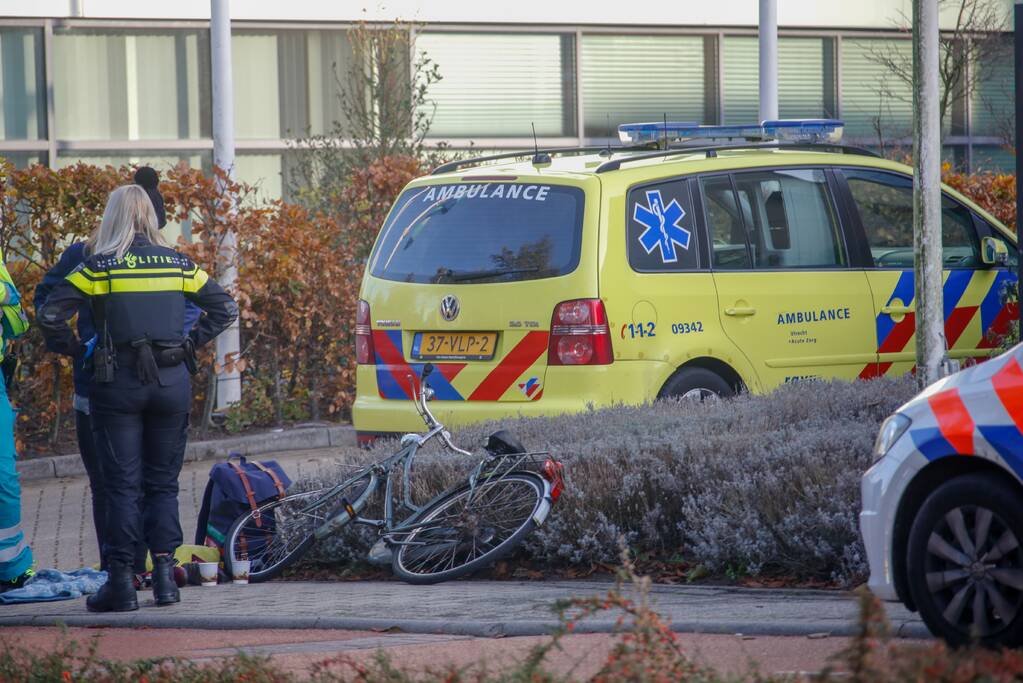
(554, 472)
(785, 130)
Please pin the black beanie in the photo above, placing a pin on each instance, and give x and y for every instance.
(149, 180)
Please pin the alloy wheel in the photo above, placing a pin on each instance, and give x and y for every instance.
(974, 571)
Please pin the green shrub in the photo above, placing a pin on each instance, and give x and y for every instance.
(751, 486)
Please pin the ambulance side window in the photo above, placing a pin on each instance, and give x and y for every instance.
(725, 228)
(661, 229)
(790, 219)
(885, 205)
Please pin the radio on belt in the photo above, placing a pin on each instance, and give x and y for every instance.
(783, 130)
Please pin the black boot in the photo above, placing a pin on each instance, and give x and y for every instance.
(165, 588)
(118, 593)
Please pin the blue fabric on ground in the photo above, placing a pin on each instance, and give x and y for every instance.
(49, 585)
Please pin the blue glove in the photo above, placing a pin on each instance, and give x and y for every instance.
(90, 346)
(13, 297)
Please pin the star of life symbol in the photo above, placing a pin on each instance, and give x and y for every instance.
(662, 226)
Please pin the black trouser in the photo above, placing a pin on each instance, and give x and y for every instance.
(140, 432)
(97, 484)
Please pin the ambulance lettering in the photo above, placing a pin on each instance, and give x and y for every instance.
(814, 316)
(533, 193)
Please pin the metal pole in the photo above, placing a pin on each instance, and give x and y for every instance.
(930, 333)
(768, 60)
(229, 386)
(1018, 44)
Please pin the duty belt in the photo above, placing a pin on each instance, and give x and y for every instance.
(148, 356)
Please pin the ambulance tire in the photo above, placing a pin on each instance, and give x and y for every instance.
(987, 506)
(696, 384)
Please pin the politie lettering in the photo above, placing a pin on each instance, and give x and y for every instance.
(536, 193)
(814, 316)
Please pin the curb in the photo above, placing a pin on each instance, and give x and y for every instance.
(481, 629)
(297, 439)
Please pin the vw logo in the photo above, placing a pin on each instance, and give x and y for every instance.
(449, 307)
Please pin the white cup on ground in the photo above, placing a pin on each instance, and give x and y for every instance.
(240, 571)
(208, 573)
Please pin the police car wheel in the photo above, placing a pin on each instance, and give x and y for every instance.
(965, 562)
(696, 384)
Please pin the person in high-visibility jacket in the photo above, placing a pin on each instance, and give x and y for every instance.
(140, 393)
(147, 178)
(15, 553)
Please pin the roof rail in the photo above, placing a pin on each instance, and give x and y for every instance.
(711, 150)
(535, 153)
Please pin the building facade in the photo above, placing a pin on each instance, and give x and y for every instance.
(108, 81)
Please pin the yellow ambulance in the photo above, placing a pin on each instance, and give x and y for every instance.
(700, 261)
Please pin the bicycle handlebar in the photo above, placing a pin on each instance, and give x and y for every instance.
(420, 398)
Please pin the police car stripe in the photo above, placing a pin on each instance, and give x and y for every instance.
(954, 420)
(1008, 385)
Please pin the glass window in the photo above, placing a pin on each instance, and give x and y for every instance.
(24, 159)
(790, 219)
(262, 171)
(22, 85)
(485, 232)
(803, 86)
(256, 83)
(286, 83)
(641, 78)
(875, 104)
(993, 111)
(497, 85)
(150, 85)
(661, 229)
(725, 227)
(885, 205)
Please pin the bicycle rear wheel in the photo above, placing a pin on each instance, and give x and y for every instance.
(276, 535)
(468, 530)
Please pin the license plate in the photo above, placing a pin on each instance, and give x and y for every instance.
(454, 345)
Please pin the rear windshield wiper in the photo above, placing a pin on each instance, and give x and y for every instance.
(461, 276)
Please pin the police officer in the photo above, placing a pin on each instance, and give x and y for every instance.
(140, 393)
(147, 178)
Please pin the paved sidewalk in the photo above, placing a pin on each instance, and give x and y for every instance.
(57, 513)
(472, 608)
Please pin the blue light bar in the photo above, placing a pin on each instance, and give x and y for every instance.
(805, 130)
(674, 131)
(787, 130)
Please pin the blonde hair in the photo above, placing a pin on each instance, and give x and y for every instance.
(129, 212)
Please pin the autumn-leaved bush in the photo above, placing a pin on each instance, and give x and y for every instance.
(298, 280)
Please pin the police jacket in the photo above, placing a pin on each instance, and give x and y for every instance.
(140, 297)
(71, 259)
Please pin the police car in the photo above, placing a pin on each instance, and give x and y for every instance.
(698, 261)
(942, 514)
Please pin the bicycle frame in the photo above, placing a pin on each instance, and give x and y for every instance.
(404, 458)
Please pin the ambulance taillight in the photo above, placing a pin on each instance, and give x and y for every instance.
(363, 335)
(580, 334)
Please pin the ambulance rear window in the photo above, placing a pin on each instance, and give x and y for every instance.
(480, 233)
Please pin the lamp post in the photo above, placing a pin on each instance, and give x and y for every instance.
(229, 384)
(768, 33)
(930, 327)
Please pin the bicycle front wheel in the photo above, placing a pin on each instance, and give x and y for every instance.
(277, 534)
(469, 529)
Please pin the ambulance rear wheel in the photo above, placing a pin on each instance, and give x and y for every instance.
(696, 384)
